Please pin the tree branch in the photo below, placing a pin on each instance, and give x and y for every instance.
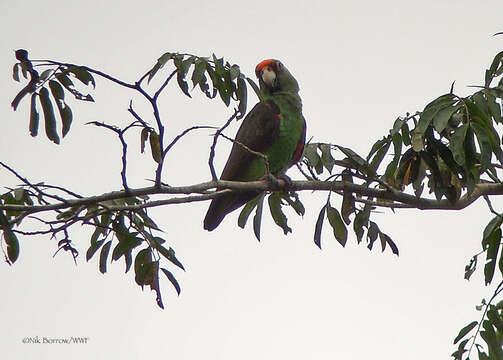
(262, 185)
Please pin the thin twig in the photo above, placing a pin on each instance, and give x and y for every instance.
(91, 70)
(214, 144)
(299, 167)
(136, 116)
(256, 153)
(120, 133)
(179, 136)
(29, 184)
(498, 290)
(490, 205)
(164, 84)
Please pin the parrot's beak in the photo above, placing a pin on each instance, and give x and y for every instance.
(268, 77)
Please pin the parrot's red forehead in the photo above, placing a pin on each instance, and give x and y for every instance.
(263, 64)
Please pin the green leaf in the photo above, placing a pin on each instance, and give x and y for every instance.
(12, 245)
(93, 248)
(490, 228)
(462, 333)
(378, 158)
(182, 69)
(500, 264)
(326, 157)
(493, 69)
(64, 110)
(127, 242)
(314, 160)
(257, 219)
(170, 255)
(377, 145)
(247, 209)
(348, 200)
(147, 220)
(104, 256)
(155, 147)
(361, 163)
(143, 139)
(128, 259)
(82, 74)
(34, 117)
(372, 233)
(276, 212)
(15, 72)
(456, 145)
(407, 162)
(494, 108)
(141, 260)
(199, 70)
(295, 203)
(172, 279)
(492, 253)
(222, 80)
(57, 90)
(203, 85)
(66, 118)
(441, 119)
(242, 95)
(495, 318)
(4, 222)
(319, 226)
(335, 220)
(183, 85)
(44, 75)
(432, 109)
(385, 239)
(397, 125)
(484, 145)
(391, 169)
(234, 71)
(361, 220)
(478, 108)
(50, 120)
(255, 88)
(160, 63)
(482, 355)
(405, 134)
(416, 140)
(64, 80)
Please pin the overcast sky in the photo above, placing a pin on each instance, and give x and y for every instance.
(359, 64)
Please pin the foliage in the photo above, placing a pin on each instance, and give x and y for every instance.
(443, 157)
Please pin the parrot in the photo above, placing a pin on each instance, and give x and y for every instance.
(275, 127)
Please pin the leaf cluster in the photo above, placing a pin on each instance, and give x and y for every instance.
(124, 233)
(118, 234)
(48, 89)
(211, 75)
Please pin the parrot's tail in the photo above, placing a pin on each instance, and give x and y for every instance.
(223, 205)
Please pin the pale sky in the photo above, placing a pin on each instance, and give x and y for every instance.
(360, 65)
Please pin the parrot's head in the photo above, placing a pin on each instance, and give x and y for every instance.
(273, 76)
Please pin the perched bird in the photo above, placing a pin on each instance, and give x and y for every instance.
(274, 127)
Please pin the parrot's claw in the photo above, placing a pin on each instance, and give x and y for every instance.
(287, 180)
(282, 182)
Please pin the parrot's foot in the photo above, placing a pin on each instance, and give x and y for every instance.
(282, 182)
(287, 180)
